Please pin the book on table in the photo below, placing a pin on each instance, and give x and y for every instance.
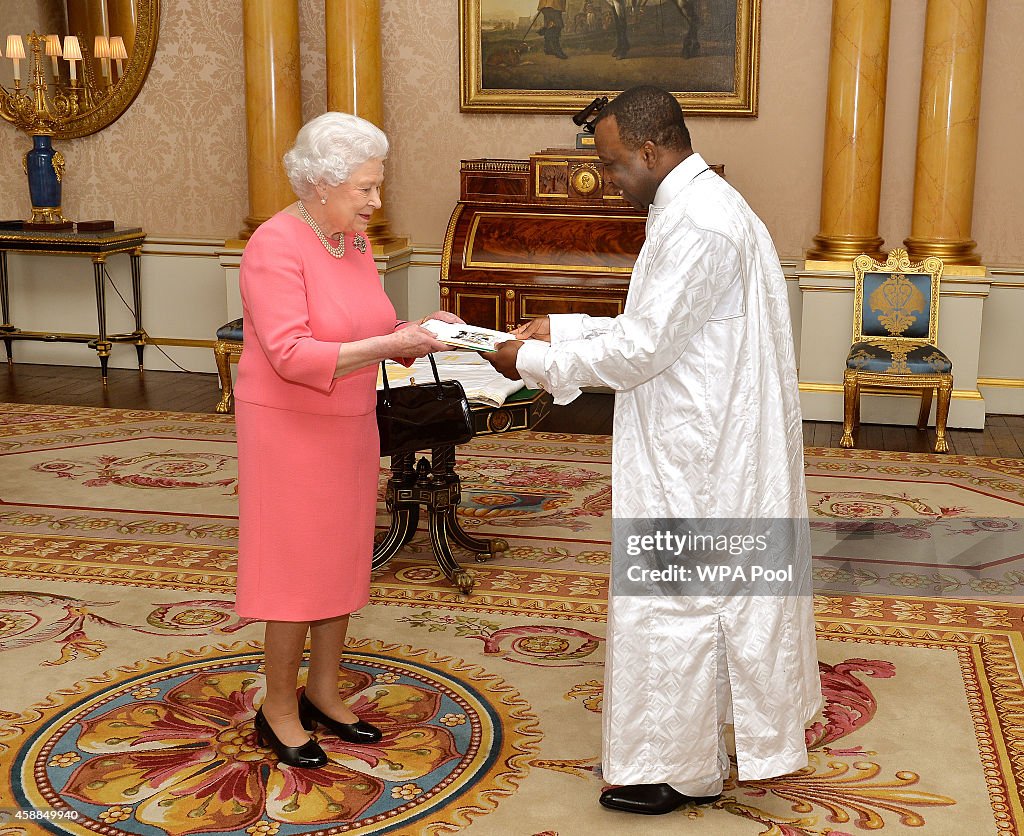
(482, 384)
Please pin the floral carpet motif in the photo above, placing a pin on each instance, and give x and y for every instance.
(131, 710)
(903, 523)
(156, 748)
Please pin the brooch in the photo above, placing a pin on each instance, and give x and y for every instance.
(360, 243)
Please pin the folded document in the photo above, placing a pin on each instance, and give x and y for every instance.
(461, 335)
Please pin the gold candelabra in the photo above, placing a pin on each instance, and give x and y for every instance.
(43, 108)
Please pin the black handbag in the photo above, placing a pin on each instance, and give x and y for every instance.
(416, 417)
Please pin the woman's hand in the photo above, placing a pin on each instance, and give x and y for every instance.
(535, 329)
(444, 316)
(415, 341)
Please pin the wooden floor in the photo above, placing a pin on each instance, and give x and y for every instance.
(591, 413)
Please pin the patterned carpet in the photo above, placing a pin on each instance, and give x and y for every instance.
(129, 684)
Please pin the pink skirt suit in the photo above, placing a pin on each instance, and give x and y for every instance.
(308, 449)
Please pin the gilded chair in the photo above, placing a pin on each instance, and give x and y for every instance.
(895, 324)
(227, 348)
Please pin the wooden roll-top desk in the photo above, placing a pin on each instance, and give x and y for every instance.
(538, 236)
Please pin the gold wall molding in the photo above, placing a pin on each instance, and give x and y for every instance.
(837, 389)
(179, 343)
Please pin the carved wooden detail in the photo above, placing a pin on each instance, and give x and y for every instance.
(538, 236)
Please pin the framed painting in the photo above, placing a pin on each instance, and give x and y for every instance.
(555, 56)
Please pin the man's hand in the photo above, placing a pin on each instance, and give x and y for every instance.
(504, 359)
(535, 329)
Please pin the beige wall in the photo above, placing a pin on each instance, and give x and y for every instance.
(175, 162)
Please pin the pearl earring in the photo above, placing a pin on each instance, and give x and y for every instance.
(323, 201)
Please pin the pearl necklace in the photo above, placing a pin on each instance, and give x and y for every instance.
(337, 251)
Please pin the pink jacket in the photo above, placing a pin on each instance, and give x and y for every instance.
(299, 304)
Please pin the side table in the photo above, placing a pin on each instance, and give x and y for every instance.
(436, 486)
(96, 245)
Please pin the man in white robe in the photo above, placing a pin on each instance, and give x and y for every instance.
(707, 426)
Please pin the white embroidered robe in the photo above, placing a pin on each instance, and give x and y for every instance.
(707, 425)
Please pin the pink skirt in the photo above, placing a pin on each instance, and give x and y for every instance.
(307, 495)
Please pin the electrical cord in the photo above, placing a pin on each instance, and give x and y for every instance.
(132, 312)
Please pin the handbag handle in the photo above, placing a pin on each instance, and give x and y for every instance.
(387, 388)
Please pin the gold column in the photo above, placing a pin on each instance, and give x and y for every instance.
(273, 102)
(354, 80)
(947, 132)
(854, 129)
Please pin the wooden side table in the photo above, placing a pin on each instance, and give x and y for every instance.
(98, 246)
(436, 486)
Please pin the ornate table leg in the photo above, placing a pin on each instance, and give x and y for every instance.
(443, 469)
(484, 549)
(5, 307)
(140, 335)
(437, 486)
(102, 344)
(443, 552)
(405, 510)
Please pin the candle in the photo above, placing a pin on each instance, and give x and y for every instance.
(73, 53)
(118, 53)
(54, 51)
(16, 51)
(101, 50)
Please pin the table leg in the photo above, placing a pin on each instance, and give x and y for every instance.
(405, 513)
(443, 469)
(140, 335)
(103, 345)
(5, 307)
(438, 527)
(437, 486)
(404, 519)
(484, 549)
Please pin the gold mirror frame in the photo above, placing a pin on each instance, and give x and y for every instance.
(122, 94)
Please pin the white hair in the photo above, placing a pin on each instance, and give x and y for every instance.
(329, 147)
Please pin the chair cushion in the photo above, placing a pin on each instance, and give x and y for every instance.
(232, 331)
(898, 358)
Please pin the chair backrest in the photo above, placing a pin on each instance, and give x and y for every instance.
(896, 300)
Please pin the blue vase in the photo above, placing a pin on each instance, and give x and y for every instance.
(45, 169)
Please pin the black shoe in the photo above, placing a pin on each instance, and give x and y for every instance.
(357, 732)
(307, 756)
(649, 799)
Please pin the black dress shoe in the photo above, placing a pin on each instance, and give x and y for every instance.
(307, 756)
(649, 799)
(357, 732)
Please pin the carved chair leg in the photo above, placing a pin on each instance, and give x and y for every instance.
(850, 404)
(942, 413)
(223, 354)
(926, 407)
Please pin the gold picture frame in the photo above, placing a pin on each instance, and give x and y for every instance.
(555, 56)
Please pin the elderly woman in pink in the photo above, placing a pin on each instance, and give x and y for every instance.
(317, 325)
